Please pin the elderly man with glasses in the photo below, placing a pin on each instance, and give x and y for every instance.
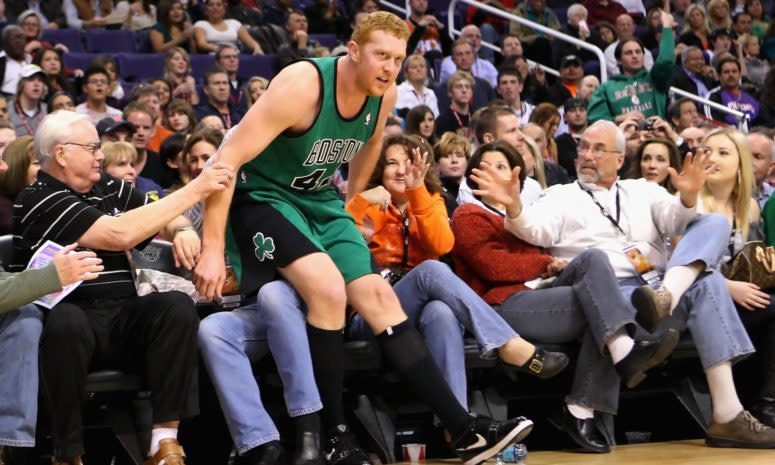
(104, 323)
(629, 220)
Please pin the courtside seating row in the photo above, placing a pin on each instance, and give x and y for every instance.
(124, 401)
(123, 40)
(137, 67)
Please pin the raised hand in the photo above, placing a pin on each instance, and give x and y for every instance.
(692, 177)
(377, 196)
(73, 267)
(493, 185)
(416, 169)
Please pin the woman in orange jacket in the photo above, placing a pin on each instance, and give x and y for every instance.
(403, 218)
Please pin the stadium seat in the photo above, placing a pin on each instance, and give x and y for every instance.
(71, 38)
(259, 65)
(200, 64)
(140, 66)
(78, 60)
(326, 40)
(110, 41)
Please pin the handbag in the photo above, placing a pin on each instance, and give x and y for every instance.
(755, 264)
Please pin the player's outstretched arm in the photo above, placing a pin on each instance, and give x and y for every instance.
(363, 164)
(287, 104)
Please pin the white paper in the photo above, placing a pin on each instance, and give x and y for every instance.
(40, 259)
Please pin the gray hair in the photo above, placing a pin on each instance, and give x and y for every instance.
(766, 133)
(54, 130)
(621, 143)
(11, 28)
(579, 10)
(685, 53)
(26, 14)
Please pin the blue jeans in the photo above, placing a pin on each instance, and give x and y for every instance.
(706, 309)
(584, 305)
(19, 337)
(231, 341)
(442, 306)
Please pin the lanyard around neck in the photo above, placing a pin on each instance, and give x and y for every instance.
(603, 211)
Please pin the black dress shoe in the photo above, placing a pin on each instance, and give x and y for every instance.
(644, 356)
(542, 364)
(341, 449)
(308, 449)
(764, 411)
(583, 432)
(270, 453)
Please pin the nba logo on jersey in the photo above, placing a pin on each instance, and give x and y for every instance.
(368, 119)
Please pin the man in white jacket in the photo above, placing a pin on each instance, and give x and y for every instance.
(629, 220)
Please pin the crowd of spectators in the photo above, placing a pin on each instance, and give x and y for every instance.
(476, 136)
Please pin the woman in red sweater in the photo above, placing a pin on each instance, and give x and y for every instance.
(404, 220)
(582, 304)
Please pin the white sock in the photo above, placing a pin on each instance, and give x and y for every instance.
(619, 345)
(157, 434)
(726, 404)
(580, 412)
(678, 279)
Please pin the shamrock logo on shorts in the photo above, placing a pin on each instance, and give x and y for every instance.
(264, 246)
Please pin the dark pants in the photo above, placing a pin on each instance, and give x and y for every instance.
(760, 324)
(153, 336)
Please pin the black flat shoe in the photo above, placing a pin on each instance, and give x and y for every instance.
(542, 364)
(764, 411)
(270, 453)
(308, 449)
(644, 356)
(583, 432)
(342, 449)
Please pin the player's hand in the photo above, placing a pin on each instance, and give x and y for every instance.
(76, 266)
(416, 169)
(377, 196)
(210, 274)
(214, 178)
(186, 248)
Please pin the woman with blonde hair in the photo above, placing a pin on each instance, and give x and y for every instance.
(696, 29)
(548, 117)
(119, 161)
(414, 91)
(451, 154)
(728, 191)
(255, 88)
(719, 16)
(750, 47)
(177, 70)
(22, 171)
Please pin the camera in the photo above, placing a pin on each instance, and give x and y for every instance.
(393, 276)
(645, 125)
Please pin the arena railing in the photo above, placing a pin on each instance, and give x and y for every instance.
(742, 118)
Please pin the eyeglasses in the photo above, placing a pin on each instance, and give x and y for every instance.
(597, 152)
(97, 82)
(91, 148)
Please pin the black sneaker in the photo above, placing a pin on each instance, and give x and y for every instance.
(341, 449)
(490, 437)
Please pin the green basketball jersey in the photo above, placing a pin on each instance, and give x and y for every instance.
(304, 163)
